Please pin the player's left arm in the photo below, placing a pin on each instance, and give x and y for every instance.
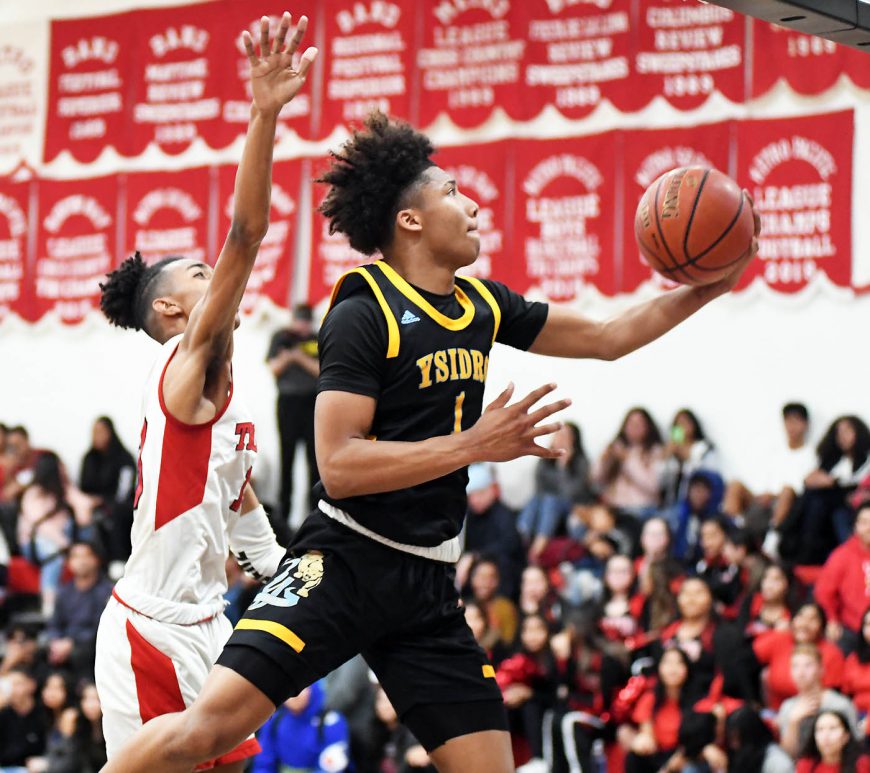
(252, 539)
(567, 333)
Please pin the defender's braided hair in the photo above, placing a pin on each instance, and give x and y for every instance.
(129, 289)
(368, 177)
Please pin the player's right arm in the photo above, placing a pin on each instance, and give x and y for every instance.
(208, 335)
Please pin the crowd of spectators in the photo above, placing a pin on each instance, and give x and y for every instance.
(641, 611)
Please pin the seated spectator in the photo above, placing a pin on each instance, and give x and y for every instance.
(786, 467)
(725, 577)
(657, 584)
(628, 471)
(697, 751)
(654, 738)
(769, 608)
(398, 750)
(824, 519)
(501, 613)
(108, 474)
(655, 543)
(831, 747)
(72, 632)
(856, 671)
(56, 700)
(774, 649)
(90, 745)
(687, 451)
(488, 639)
(619, 612)
(842, 589)
(702, 500)
(22, 651)
(811, 697)
(20, 462)
(537, 596)
(750, 745)
(22, 721)
(560, 484)
(302, 736)
(490, 530)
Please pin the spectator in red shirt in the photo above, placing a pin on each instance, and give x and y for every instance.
(773, 649)
(856, 672)
(768, 609)
(658, 714)
(831, 747)
(843, 587)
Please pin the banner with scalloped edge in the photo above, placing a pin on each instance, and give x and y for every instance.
(76, 246)
(369, 47)
(470, 59)
(168, 214)
(577, 55)
(273, 269)
(799, 171)
(648, 154)
(565, 221)
(15, 237)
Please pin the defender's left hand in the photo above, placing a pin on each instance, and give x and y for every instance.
(274, 81)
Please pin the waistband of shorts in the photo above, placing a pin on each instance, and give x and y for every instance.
(447, 552)
(163, 610)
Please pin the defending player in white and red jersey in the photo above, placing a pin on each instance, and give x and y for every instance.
(164, 626)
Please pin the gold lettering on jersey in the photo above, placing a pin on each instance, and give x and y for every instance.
(454, 364)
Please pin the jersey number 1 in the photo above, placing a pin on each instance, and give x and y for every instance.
(457, 412)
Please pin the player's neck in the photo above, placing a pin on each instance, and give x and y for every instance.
(422, 271)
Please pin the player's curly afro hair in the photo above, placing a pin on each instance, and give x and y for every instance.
(368, 177)
(128, 291)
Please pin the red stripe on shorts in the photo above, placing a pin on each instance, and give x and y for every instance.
(156, 683)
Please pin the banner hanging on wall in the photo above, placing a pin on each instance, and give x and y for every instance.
(577, 55)
(480, 172)
(648, 155)
(566, 196)
(76, 246)
(14, 244)
(273, 269)
(168, 214)
(799, 171)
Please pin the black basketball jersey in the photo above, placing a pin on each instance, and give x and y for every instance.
(428, 380)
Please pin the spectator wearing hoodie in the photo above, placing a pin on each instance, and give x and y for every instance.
(702, 501)
(843, 587)
(302, 736)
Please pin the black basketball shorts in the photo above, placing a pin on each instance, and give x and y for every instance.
(338, 593)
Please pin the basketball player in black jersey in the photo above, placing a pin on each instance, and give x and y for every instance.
(404, 354)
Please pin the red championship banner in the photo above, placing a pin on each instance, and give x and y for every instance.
(175, 89)
(273, 269)
(685, 51)
(88, 86)
(14, 243)
(369, 58)
(470, 60)
(648, 155)
(168, 214)
(331, 255)
(481, 174)
(577, 55)
(75, 246)
(565, 203)
(799, 171)
(231, 63)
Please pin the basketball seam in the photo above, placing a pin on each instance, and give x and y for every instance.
(692, 215)
(676, 266)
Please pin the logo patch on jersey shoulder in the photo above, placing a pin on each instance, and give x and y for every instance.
(408, 318)
(295, 581)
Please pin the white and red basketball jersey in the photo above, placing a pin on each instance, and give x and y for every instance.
(189, 491)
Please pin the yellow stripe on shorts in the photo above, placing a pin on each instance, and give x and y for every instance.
(489, 672)
(277, 630)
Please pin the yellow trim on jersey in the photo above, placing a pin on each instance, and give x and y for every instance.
(392, 325)
(412, 295)
(276, 629)
(488, 672)
(490, 299)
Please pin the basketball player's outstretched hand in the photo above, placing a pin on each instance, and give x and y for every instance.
(274, 79)
(505, 432)
(730, 281)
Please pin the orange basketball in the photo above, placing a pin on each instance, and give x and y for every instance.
(693, 225)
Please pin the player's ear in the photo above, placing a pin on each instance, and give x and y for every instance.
(166, 307)
(409, 220)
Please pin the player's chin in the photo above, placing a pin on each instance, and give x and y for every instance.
(471, 249)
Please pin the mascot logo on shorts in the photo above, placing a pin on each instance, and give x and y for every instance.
(288, 586)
